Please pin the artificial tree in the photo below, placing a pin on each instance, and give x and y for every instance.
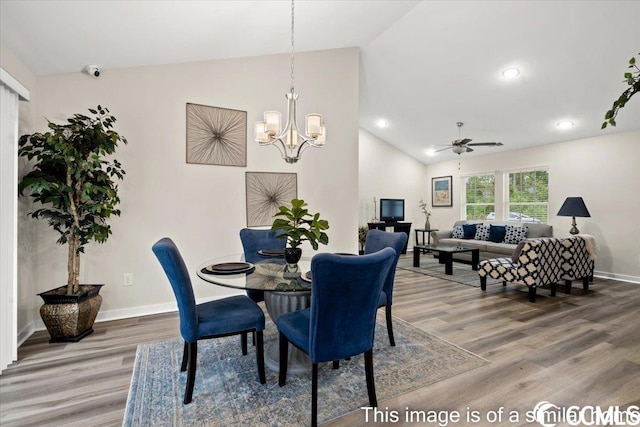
(633, 80)
(74, 181)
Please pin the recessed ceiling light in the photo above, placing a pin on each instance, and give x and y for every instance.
(511, 73)
(382, 123)
(565, 124)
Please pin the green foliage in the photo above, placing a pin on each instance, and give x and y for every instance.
(299, 225)
(73, 181)
(633, 80)
(362, 236)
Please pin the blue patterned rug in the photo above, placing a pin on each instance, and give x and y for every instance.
(227, 391)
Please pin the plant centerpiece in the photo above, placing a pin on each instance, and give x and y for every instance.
(427, 214)
(298, 225)
(75, 183)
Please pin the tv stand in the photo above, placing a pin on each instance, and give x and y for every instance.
(398, 227)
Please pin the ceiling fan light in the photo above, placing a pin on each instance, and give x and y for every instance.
(459, 149)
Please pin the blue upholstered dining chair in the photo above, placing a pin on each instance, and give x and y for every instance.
(236, 315)
(254, 240)
(376, 240)
(337, 328)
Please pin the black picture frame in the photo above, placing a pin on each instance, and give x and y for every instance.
(442, 191)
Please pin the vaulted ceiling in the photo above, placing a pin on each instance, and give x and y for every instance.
(425, 65)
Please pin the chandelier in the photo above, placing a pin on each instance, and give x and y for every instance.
(289, 140)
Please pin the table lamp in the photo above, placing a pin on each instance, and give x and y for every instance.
(573, 207)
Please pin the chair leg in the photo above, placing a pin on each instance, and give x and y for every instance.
(336, 364)
(260, 356)
(191, 373)
(532, 294)
(387, 312)
(567, 286)
(253, 338)
(483, 283)
(314, 395)
(185, 357)
(554, 286)
(243, 343)
(585, 283)
(371, 387)
(284, 352)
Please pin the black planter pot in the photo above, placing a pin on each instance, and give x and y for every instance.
(69, 318)
(292, 255)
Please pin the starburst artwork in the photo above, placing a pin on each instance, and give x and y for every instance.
(266, 191)
(216, 136)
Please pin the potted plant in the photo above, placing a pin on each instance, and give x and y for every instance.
(298, 225)
(75, 184)
(362, 237)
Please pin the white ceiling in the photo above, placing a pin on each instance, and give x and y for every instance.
(425, 65)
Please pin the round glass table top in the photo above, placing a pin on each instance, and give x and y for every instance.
(270, 274)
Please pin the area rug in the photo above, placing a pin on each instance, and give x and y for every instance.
(227, 391)
(430, 266)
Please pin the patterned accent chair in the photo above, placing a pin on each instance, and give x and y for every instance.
(539, 263)
(577, 265)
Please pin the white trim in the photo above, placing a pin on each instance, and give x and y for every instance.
(13, 84)
(614, 276)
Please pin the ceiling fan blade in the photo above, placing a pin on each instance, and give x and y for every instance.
(442, 149)
(477, 144)
(469, 149)
(466, 140)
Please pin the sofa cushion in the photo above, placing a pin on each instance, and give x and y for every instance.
(467, 243)
(469, 231)
(482, 232)
(496, 233)
(458, 232)
(515, 234)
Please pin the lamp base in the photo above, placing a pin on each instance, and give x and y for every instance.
(574, 228)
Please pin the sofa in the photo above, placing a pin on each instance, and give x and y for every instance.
(479, 237)
(541, 262)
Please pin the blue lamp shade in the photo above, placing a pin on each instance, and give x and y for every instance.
(574, 207)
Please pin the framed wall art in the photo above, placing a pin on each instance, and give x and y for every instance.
(441, 192)
(266, 192)
(216, 136)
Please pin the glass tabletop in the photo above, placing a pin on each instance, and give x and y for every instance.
(270, 274)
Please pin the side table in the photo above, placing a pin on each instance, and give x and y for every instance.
(421, 242)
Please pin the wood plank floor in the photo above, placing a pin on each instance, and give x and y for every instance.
(579, 349)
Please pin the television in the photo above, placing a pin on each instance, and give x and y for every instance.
(391, 210)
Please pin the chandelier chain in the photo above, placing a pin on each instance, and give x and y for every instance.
(292, 45)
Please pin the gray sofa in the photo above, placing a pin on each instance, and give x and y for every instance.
(488, 249)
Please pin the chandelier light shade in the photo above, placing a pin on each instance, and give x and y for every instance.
(289, 139)
(574, 207)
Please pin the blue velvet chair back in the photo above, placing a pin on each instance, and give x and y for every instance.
(169, 256)
(377, 240)
(254, 239)
(344, 301)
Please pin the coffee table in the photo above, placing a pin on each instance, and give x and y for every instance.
(445, 255)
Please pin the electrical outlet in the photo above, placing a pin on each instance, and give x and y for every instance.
(127, 279)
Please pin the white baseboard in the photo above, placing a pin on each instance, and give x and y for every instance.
(614, 276)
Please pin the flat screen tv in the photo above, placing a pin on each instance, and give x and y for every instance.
(391, 210)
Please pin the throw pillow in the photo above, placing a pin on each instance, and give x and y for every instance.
(515, 234)
(482, 232)
(458, 233)
(496, 233)
(469, 231)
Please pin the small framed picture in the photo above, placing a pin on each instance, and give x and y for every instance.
(441, 192)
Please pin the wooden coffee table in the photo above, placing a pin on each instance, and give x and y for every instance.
(445, 255)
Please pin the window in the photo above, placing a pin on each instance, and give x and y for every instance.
(479, 197)
(528, 196)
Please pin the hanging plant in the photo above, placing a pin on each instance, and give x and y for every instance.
(633, 80)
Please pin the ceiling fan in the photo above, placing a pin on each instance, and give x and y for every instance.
(460, 145)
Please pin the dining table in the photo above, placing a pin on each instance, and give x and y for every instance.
(286, 287)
